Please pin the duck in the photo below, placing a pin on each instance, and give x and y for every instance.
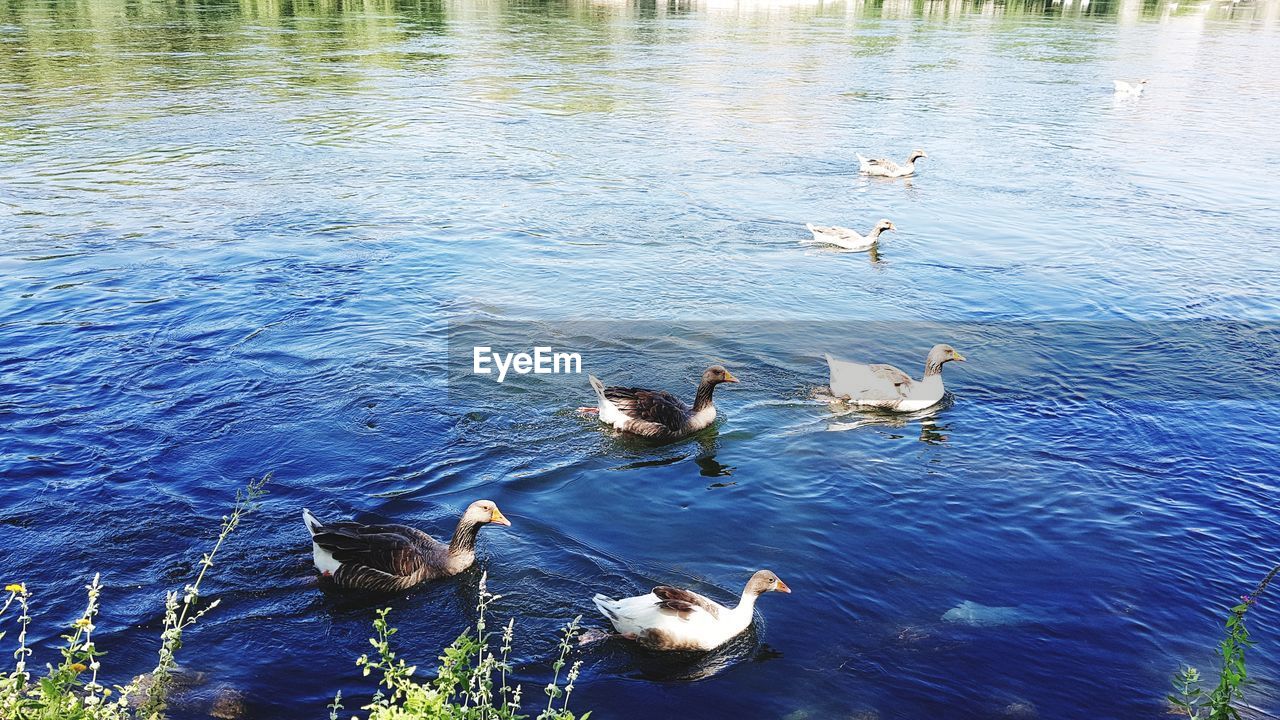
(671, 618)
(655, 413)
(1125, 89)
(387, 558)
(885, 387)
(881, 167)
(849, 239)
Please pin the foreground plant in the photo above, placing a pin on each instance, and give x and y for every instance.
(71, 690)
(471, 682)
(1219, 703)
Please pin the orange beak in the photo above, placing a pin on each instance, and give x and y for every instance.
(728, 377)
(498, 517)
(782, 587)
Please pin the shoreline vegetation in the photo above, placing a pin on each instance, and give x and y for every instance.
(71, 689)
(464, 687)
(1224, 700)
(471, 682)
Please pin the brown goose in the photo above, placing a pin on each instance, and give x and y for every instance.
(658, 414)
(395, 557)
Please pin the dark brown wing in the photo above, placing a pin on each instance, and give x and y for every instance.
(653, 406)
(683, 601)
(679, 608)
(387, 549)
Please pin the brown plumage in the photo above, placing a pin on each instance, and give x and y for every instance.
(684, 601)
(658, 414)
(395, 557)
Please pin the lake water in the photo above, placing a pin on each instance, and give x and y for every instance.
(257, 236)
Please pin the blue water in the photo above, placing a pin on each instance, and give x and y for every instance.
(249, 237)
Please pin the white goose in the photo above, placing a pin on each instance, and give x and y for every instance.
(671, 618)
(1124, 89)
(888, 388)
(846, 238)
(881, 167)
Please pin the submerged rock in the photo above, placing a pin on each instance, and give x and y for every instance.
(972, 613)
(1020, 710)
(192, 693)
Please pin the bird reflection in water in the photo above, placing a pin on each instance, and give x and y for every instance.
(669, 666)
(931, 431)
(705, 459)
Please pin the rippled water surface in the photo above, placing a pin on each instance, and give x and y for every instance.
(255, 236)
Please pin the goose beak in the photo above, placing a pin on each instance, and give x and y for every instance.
(957, 356)
(498, 517)
(728, 377)
(782, 587)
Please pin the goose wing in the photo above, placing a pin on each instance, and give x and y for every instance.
(685, 603)
(386, 549)
(868, 383)
(834, 233)
(655, 406)
(883, 164)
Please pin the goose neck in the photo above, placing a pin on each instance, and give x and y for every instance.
(464, 537)
(702, 399)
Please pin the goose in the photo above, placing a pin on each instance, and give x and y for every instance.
(671, 618)
(395, 557)
(849, 239)
(888, 168)
(888, 388)
(1124, 89)
(655, 413)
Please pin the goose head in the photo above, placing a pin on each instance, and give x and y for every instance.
(940, 354)
(882, 226)
(916, 155)
(765, 581)
(484, 512)
(716, 374)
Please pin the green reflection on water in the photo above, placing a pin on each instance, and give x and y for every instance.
(152, 59)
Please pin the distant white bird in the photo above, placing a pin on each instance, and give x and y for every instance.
(846, 238)
(886, 387)
(1124, 89)
(881, 167)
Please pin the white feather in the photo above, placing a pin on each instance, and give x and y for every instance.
(841, 237)
(635, 616)
(324, 562)
(609, 413)
(876, 387)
